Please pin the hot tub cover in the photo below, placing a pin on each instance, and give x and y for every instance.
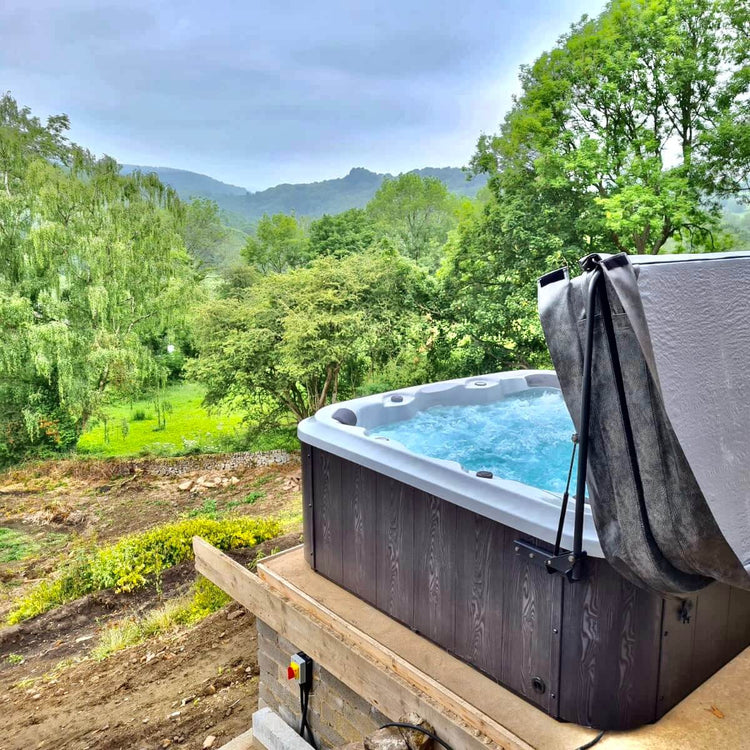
(672, 506)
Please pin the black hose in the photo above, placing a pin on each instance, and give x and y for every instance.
(404, 725)
(591, 743)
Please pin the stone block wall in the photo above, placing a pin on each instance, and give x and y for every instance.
(336, 713)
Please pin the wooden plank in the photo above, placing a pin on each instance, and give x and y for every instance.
(308, 526)
(395, 548)
(327, 514)
(359, 512)
(611, 641)
(479, 592)
(339, 652)
(528, 628)
(434, 568)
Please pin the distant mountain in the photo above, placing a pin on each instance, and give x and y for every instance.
(189, 184)
(304, 199)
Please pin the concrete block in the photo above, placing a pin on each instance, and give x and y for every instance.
(288, 716)
(274, 734)
(286, 645)
(264, 631)
(243, 741)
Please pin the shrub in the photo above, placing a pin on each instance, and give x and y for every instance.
(138, 560)
(250, 499)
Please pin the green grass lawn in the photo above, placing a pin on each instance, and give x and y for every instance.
(18, 545)
(14, 545)
(132, 427)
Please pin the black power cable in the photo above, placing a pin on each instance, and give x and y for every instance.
(304, 700)
(404, 725)
(591, 743)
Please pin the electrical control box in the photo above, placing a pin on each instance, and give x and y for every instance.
(300, 669)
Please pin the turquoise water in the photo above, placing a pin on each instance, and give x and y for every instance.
(525, 437)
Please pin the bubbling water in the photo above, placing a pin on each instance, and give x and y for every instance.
(525, 437)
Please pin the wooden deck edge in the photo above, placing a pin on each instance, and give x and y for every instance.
(347, 654)
(283, 553)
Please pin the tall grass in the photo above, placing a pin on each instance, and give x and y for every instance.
(205, 599)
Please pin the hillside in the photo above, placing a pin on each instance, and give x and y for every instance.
(188, 184)
(304, 199)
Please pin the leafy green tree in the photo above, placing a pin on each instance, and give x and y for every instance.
(305, 337)
(280, 243)
(92, 269)
(203, 232)
(641, 113)
(417, 212)
(626, 136)
(342, 234)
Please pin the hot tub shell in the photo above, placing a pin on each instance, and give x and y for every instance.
(444, 552)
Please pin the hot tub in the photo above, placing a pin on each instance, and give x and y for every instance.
(458, 556)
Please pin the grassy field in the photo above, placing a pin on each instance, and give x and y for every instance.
(132, 429)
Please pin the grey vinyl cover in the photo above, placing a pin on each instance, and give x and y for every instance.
(677, 513)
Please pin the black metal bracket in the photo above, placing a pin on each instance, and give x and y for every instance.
(567, 564)
(683, 613)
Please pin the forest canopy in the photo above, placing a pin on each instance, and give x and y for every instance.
(631, 135)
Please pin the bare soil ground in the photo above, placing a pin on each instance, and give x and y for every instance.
(174, 690)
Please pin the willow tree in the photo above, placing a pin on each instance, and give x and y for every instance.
(92, 271)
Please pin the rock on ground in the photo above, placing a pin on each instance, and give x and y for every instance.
(398, 738)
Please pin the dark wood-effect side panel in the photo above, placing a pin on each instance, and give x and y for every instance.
(434, 568)
(604, 652)
(531, 604)
(738, 630)
(480, 547)
(717, 630)
(394, 545)
(711, 628)
(610, 651)
(327, 518)
(359, 487)
(676, 662)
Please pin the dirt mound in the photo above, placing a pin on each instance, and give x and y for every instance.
(174, 692)
(69, 630)
(171, 691)
(93, 468)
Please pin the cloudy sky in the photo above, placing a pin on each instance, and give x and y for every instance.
(256, 93)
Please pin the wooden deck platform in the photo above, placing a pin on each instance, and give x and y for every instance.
(398, 671)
